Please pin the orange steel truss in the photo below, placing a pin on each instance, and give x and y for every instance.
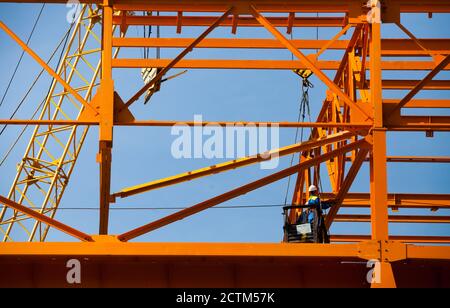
(350, 129)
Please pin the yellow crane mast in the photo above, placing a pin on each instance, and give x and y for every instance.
(45, 169)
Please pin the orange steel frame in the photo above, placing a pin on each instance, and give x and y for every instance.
(351, 128)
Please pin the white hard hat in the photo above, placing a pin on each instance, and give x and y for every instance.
(312, 188)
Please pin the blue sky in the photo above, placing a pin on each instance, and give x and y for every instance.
(143, 154)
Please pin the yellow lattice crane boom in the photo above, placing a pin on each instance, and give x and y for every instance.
(45, 169)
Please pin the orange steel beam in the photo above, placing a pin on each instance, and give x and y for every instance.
(409, 84)
(412, 159)
(345, 187)
(46, 220)
(407, 47)
(330, 65)
(225, 43)
(179, 57)
(394, 218)
(390, 47)
(411, 123)
(327, 45)
(242, 21)
(314, 6)
(106, 92)
(418, 159)
(422, 103)
(378, 167)
(396, 201)
(104, 158)
(427, 252)
(237, 192)
(160, 123)
(405, 30)
(233, 164)
(111, 247)
(422, 83)
(45, 66)
(400, 238)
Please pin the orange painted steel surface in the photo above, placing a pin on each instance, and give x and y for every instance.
(354, 109)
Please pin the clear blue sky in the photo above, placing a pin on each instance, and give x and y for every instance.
(143, 154)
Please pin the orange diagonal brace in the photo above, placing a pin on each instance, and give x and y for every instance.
(415, 40)
(360, 158)
(238, 192)
(333, 40)
(421, 84)
(42, 63)
(47, 220)
(178, 58)
(229, 165)
(333, 87)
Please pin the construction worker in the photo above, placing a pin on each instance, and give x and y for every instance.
(313, 215)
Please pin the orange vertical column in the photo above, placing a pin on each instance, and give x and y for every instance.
(378, 163)
(106, 103)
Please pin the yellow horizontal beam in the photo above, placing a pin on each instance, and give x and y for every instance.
(233, 164)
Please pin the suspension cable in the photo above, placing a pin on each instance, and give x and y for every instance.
(21, 56)
(303, 110)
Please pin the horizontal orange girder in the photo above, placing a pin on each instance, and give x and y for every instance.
(110, 246)
(157, 123)
(400, 238)
(394, 218)
(423, 103)
(418, 122)
(409, 84)
(390, 47)
(325, 6)
(413, 159)
(405, 123)
(265, 64)
(418, 159)
(396, 200)
(188, 21)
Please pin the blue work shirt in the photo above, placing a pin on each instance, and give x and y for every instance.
(314, 202)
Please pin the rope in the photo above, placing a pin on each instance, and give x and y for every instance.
(21, 56)
(147, 34)
(158, 35)
(302, 111)
(63, 40)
